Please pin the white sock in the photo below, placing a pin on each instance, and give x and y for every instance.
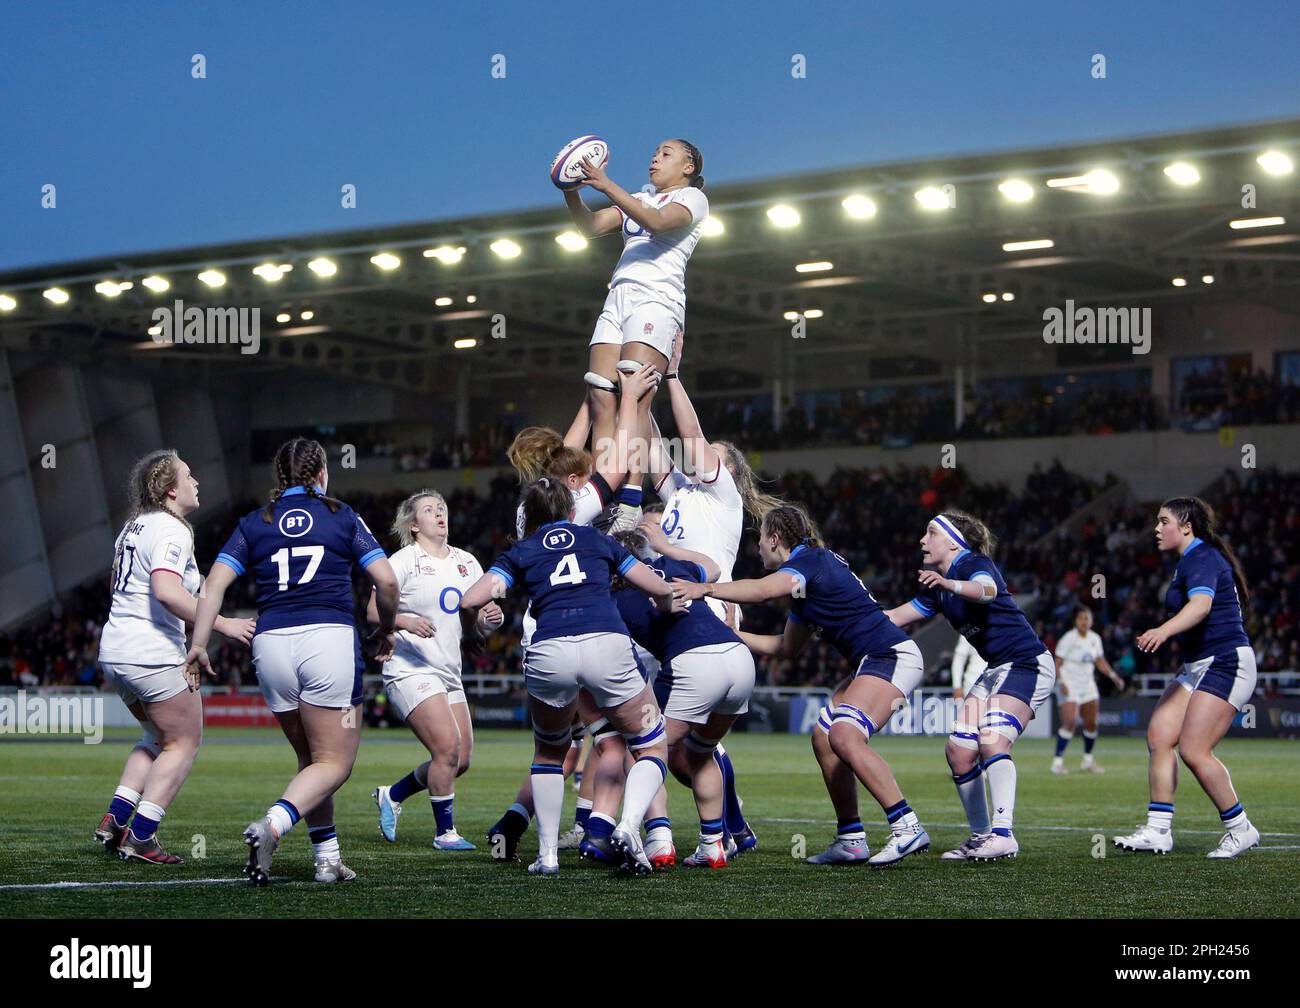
(155, 812)
(643, 782)
(1160, 819)
(327, 850)
(1002, 788)
(976, 804)
(280, 821)
(548, 801)
(126, 794)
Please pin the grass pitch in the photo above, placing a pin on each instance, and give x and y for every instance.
(53, 792)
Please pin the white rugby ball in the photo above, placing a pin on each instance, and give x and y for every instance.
(565, 170)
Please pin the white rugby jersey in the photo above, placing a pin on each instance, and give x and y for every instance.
(140, 630)
(1078, 654)
(705, 515)
(431, 587)
(658, 262)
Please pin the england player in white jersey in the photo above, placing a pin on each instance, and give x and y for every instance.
(967, 667)
(1078, 656)
(645, 309)
(142, 652)
(423, 677)
(705, 512)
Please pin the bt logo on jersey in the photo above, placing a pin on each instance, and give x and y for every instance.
(558, 539)
(295, 523)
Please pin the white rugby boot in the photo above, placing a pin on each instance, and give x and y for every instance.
(334, 871)
(1235, 843)
(571, 839)
(628, 842)
(996, 848)
(903, 840)
(843, 851)
(1146, 839)
(966, 850)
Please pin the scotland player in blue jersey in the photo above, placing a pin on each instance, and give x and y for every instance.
(973, 597)
(704, 681)
(1205, 600)
(825, 594)
(301, 548)
(580, 642)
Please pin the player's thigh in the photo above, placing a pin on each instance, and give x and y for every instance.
(178, 719)
(292, 727)
(554, 721)
(1205, 722)
(676, 730)
(875, 697)
(1166, 724)
(434, 725)
(464, 724)
(333, 733)
(635, 716)
(1069, 712)
(1088, 713)
(603, 358)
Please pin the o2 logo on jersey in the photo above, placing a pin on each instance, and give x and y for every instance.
(631, 228)
(558, 539)
(442, 601)
(295, 523)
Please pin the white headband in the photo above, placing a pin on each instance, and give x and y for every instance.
(950, 531)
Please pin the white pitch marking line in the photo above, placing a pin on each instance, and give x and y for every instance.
(105, 885)
(1051, 829)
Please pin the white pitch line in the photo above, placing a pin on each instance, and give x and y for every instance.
(106, 885)
(1046, 829)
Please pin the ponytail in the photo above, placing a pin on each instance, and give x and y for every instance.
(1200, 516)
(696, 177)
(546, 499)
(977, 535)
(791, 524)
(757, 503)
(297, 463)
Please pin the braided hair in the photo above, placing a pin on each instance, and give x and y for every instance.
(693, 152)
(297, 463)
(791, 524)
(1205, 526)
(146, 488)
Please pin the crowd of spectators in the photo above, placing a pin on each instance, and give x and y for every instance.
(874, 518)
(1220, 397)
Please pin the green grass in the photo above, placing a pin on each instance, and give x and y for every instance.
(53, 793)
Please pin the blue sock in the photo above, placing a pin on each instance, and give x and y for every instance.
(711, 827)
(732, 817)
(599, 826)
(1088, 742)
(657, 822)
(1064, 740)
(849, 827)
(581, 816)
(143, 826)
(405, 787)
(121, 810)
(896, 812)
(630, 495)
(513, 824)
(322, 833)
(442, 812)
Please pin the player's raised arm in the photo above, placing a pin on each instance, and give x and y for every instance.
(697, 453)
(655, 220)
(580, 430)
(591, 223)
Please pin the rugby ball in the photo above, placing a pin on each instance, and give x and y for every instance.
(565, 170)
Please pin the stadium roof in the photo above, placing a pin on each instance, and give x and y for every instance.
(904, 281)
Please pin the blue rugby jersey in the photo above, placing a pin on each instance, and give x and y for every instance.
(997, 629)
(302, 560)
(833, 599)
(566, 570)
(666, 635)
(1203, 570)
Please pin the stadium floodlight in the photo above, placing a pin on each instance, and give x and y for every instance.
(859, 207)
(1243, 223)
(1028, 246)
(813, 313)
(272, 272)
(791, 316)
(111, 288)
(155, 283)
(1183, 174)
(1008, 296)
(212, 278)
(1098, 181)
(989, 297)
(7, 302)
(323, 267)
(442, 302)
(506, 248)
(446, 254)
(1275, 162)
(932, 198)
(1016, 190)
(386, 260)
(1207, 278)
(712, 226)
(1179, 281)
(56, 295)
(467, 343)
(783, 215)
(820, 266)
(307, 315)
(570, 241)
(470, 299)
(284, 317)
(155, 330)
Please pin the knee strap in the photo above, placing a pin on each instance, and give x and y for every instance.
(824, 719)
(700, 745)
(577, 733)
(554, 738)
(600, 382)
(848, 714)
(149, 742)
(1066, 733)
(965, 736)
(644, 739)
(600, 729)
(1001, 723)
